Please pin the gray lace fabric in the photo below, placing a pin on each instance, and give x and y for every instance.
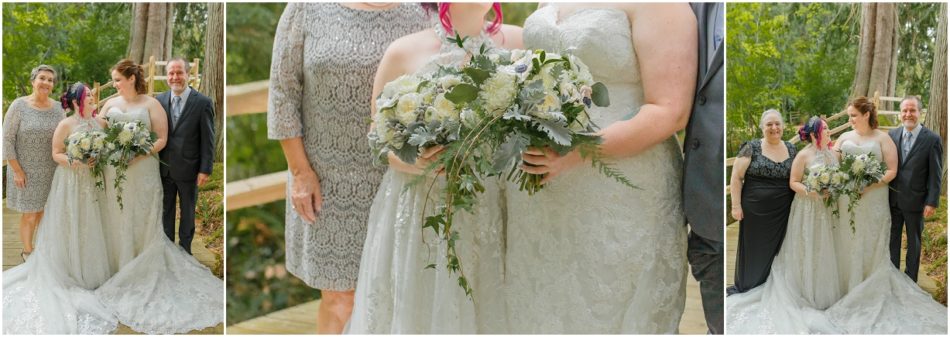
(325, 57)
(28, 138)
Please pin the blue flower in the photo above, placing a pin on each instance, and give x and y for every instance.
(521, 68)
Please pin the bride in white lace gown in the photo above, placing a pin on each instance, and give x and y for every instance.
(52, 292)
(395, 292)
(878, 299)
(157, 287)
(804, 276)
(587, 254)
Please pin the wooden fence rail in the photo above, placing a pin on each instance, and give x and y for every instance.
(246, 99)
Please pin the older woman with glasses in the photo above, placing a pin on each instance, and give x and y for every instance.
(761, 200)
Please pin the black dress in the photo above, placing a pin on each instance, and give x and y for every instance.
(766, 201)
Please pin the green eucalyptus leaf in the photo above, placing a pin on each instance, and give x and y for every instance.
(462, 93)
(599, 95)
(478, 75)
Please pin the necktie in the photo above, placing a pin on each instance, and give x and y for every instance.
(908, 140)
(176, 109)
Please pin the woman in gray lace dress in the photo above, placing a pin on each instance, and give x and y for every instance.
(324, 60)
(27, 147)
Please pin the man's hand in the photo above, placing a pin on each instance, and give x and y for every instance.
(929, 211)
(202, 179)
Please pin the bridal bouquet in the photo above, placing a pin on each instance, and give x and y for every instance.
(862, 171)
(86, 147)
(128, 140)
(415, 112)
(486, 113)
(826, 178)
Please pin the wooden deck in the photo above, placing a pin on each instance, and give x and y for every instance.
(302, 319)
(12, 247)
(732, 238)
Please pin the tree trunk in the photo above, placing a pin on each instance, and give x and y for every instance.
(212, 78)
(152, 31)
(936, 118)
(876, 68)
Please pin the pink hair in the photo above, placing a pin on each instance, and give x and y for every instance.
(493, 28)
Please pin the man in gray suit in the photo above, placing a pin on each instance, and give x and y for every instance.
(915, 191)
(703, 166)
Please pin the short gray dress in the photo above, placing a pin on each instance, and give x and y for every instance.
(28, 138)
(324, 60)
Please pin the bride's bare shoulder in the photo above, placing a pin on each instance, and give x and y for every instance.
(418, 42)
(511, 37)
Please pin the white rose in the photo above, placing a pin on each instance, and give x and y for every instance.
(499, 92)
(837, 179)
(449, 81)
(85, 143)
(568, 89)
(406, 109)
(98, 143)
(444, 108)
(824, 178)
(403, 84)
(75, 152)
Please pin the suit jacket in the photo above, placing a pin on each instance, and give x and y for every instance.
(918, 175)
(703, 177)
(190, 147)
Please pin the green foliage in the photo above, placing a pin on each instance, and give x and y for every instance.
(250, 153)
(516, 12)
(257, 280)
(800, 58)
(81, 41)
(917, 44)
(191, 20)
(934, 250)
(250, 37)
(209, 216)
(797, 58)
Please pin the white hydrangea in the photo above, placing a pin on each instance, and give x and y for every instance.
(449, 81)
(125, 136)
(859, 165)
